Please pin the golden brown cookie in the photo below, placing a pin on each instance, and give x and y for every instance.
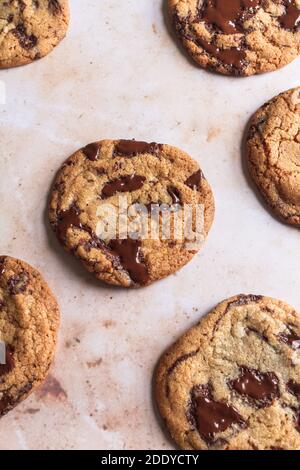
(30, 29)
(29, 320)
(233, 381)
(157, 184)
(273, 152)
(238, 37)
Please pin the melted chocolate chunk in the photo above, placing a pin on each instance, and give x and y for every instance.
(211, 417)
(9, 361)
(175, 195)
(131, 148)
(234, 57)
(228, 16)
(257, 386)
(123, 185)
(67, 219)
(129, 252)
(293, 387)
(26, 41)
(92, 151)
(291, 18)
(194, 180)
(290, 338)
(17, 284)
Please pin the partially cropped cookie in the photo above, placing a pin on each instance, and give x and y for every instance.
(238, 37)
(140, 192)
(273, 152)
(30, 29)
(233, 381)
(29, 320)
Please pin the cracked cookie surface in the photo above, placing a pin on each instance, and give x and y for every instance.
(233, 381)
(109, 173)
(29, 320)
(30, 29)
(238, 37)
(273, 153)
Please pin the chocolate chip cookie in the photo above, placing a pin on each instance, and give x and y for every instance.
(29, 319)
(30, 29)
(238, 37)
(233, 381)
(139, 194)
(273, 152)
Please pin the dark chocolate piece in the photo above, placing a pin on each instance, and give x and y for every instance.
(129, 252)
(122, 185)
(17, 284)
(175, 195)
(209, 416)
(293, 387)
(131, 148)
(194, 180)
(228, 16)
(67, 219)
(261, 388)
(26, 41)
(92, 151)
(290, 338)
(291, 18)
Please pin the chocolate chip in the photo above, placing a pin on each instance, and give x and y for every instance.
(175, 195)
(291, 18)
(67, 219)
(209, 416)
(9, 360)
(26, 41)
(293, 387)
(130, 255)
(92, 151)
(122, 185)
(234, 57)
(229, 16)
(17, 284)
(260, 388)
(290, 337)
(131, 148)
(194, 180)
